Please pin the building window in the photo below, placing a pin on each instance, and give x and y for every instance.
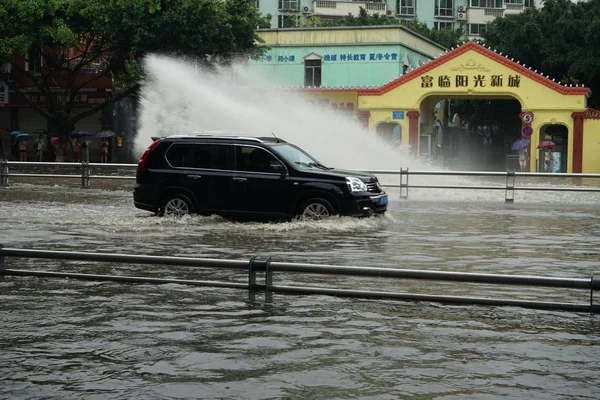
(33, 62)
(513, 1)
(529, 3)
(487, 3)
(406, 7)
(476, 29)
(256, 4)
(289, 4)
(437, 25)
(444, 8)
(287, 21)
(312, 73)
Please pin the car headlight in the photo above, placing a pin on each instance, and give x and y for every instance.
(356, 185)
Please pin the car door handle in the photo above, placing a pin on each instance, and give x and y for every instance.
(194, 176)
(238, 179)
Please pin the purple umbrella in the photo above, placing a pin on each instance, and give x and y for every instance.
(519, 144)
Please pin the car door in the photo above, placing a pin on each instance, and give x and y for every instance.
(261, 183)
(212, 175)
(200, 169)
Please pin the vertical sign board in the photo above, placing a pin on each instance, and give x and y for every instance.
(3, 93)
(397, 114)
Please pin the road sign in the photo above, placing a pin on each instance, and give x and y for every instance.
(527, 131)
(527, 118)
(397, 114)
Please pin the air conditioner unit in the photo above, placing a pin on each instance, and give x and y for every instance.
(461, 16)
(305, 10)
(461, 9)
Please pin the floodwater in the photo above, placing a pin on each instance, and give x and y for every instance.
(72, 339)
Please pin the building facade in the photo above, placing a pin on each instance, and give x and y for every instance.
(342, 56)
(17, 110)
(471, 15)
(549, 110)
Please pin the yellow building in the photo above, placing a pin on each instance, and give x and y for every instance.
(474, 71)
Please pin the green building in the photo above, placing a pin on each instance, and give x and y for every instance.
(367, 56)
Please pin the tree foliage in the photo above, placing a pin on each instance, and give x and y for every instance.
(561, 39)
(83, 41)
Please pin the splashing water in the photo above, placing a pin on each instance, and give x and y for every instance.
(180, 98)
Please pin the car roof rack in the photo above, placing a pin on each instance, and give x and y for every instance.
(261, 139)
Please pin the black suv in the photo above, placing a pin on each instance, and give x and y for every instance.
(248, 178)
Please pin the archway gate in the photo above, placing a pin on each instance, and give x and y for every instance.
(475, 71)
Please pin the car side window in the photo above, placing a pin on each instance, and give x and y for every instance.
(255, 159)
(208, 156)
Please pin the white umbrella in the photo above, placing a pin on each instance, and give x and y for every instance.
(106, 133)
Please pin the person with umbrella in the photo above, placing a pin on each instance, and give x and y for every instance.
(521, 146)
(23, 146)
(40, 145)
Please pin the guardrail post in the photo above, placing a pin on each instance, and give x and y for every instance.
(268, 281)
(403, 184)
(509, 196)
(256, 265)
(2, 262)
(3, 173)
(85, 175)
(594, 287)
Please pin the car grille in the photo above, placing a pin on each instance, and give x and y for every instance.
(373, 187)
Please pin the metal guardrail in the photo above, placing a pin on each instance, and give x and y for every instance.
(404, 173)
(268, 267)
(509, 187)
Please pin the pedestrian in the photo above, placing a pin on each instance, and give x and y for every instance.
(23, 149)
(119, 145)
(523, 158)
(39, 148)
(76, 150)
(103, 150)
(548, 160)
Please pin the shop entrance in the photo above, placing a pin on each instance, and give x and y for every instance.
(553, 158)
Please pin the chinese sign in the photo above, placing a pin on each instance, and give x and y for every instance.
(334, 57)
(476, 80)
(3, 93)
(334, 105)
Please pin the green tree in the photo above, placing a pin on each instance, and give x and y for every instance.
(561, 39)
(83, 41)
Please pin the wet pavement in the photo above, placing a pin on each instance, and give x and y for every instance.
(64, 338)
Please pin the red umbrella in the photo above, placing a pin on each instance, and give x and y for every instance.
(546, 144)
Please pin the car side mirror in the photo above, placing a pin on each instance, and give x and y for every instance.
(277, 167)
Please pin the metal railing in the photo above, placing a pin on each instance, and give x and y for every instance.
(404, 173)
(509, 187)
(268, 267)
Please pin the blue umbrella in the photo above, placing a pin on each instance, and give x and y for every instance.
(15, 133)
(23, 136)
(519, 144)
(81, 133)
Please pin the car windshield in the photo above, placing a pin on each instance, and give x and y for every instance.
(300, 158)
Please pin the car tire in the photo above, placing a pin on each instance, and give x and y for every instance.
(177, 206)
(314, 209)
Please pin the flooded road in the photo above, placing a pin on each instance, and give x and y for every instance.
(65, 338)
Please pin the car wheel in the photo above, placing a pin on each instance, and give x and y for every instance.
(177, 206)
(314, 209)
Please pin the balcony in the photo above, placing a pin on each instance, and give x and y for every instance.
(343, 8)
(483, 15)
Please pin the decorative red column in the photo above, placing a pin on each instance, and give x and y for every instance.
(578, 141)
(413, 130)
(363, 119)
